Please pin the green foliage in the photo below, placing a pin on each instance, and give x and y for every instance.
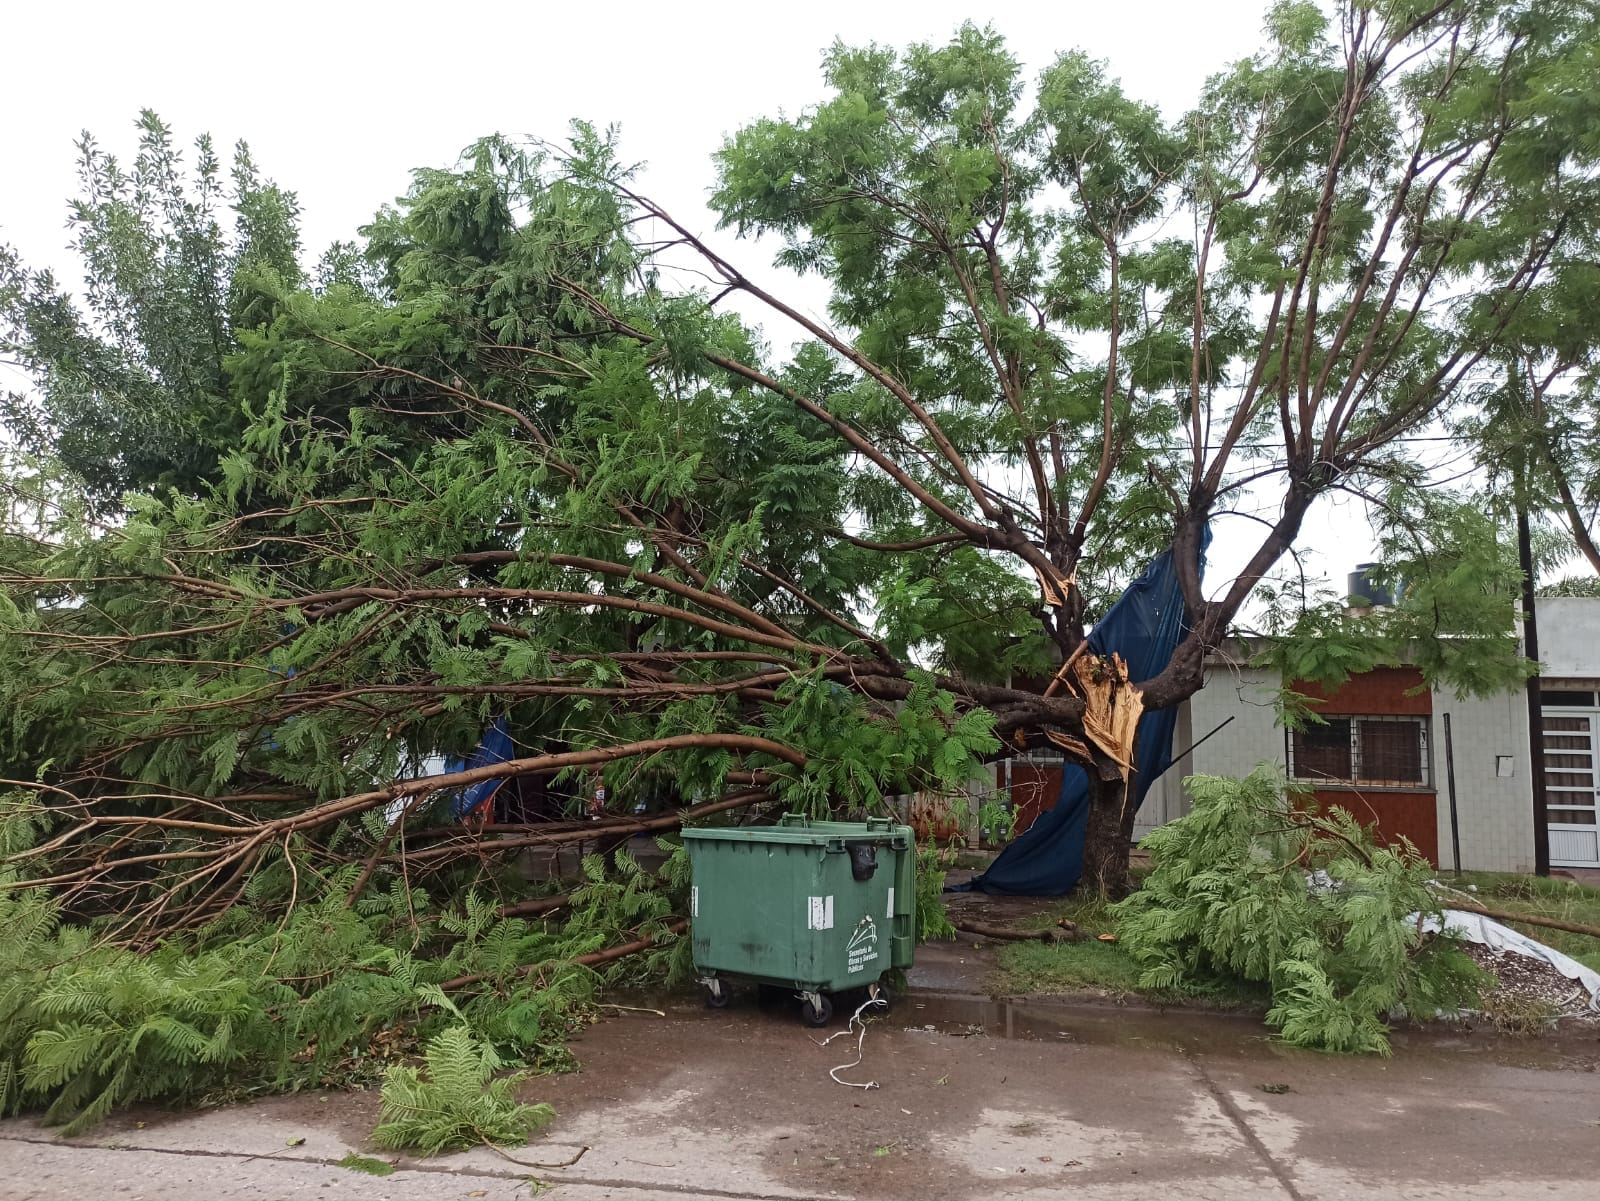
(460, 1104)
(854, 762)
(1253, 886)
(933, 921)
(366, 1165)
(131, 390)
(493, 461)
(620, 902)
(87, 1027)
(996, 820)
(1452, 571)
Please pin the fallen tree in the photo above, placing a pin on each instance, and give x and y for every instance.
(281, 539)
(331, 994)
(498, 463)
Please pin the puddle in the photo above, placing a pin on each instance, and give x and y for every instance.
(1213, 1033)
(1186, 1031)
(1041, 1021)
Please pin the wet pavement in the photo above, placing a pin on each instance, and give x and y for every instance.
(974, 1098)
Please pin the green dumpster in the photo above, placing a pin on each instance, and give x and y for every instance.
(817, 907)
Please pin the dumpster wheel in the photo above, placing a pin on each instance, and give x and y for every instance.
(878, 994)
(718, 994)
(816, 1008)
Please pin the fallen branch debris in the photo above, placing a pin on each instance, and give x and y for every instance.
(1528, 919)
(1062, 931)
(676, 926)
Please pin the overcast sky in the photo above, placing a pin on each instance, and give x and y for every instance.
(340, 100)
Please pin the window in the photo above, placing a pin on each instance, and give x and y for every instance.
(1559, 696)
(1389, 752)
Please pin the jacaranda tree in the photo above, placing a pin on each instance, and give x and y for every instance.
(520, 461)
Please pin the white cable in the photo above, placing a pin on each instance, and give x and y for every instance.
(861, 1038)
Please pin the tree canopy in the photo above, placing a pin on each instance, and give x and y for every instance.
(511, 455)
(130, 391)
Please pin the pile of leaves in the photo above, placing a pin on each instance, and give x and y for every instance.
(1253, 884)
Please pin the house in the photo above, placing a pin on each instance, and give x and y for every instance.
(1392, 749)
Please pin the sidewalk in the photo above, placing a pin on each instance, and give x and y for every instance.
(1092, 1104)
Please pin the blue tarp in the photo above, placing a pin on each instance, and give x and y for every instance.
(1144, 627)
(496, 747)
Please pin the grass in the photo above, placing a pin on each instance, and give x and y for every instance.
(1036, 967)
(976, 861)
(1540, 896)
(1521, 1017)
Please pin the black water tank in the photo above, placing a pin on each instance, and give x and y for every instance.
(1364, 591)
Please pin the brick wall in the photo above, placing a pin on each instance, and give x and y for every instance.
(1412, 816)
(1397, 813)
(1383, 691)
(1035, 788)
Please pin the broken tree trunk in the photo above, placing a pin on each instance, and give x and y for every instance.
(1112, 709)
(1107, 840)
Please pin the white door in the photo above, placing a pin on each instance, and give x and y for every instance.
(1572, 786)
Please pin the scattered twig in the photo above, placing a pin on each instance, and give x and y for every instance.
(528, 1163)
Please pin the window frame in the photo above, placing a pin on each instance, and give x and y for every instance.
(1357, 778)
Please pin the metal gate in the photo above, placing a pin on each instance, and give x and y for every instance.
(1571, 737)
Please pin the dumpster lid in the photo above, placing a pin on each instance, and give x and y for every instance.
(795, 830)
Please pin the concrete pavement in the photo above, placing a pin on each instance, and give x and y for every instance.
(975, 1099)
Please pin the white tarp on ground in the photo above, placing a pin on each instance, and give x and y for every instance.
(1500, 938)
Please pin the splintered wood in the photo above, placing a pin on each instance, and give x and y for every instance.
(1053, 589)
(1112, 707)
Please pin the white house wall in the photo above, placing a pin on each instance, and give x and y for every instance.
(1246, 695)
(1495, 812)
(1496, 826)
(1569, 637)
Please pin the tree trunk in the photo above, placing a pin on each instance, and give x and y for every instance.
(1106, 842)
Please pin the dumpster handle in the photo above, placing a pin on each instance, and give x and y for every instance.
(794, 819)
(886, 823)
